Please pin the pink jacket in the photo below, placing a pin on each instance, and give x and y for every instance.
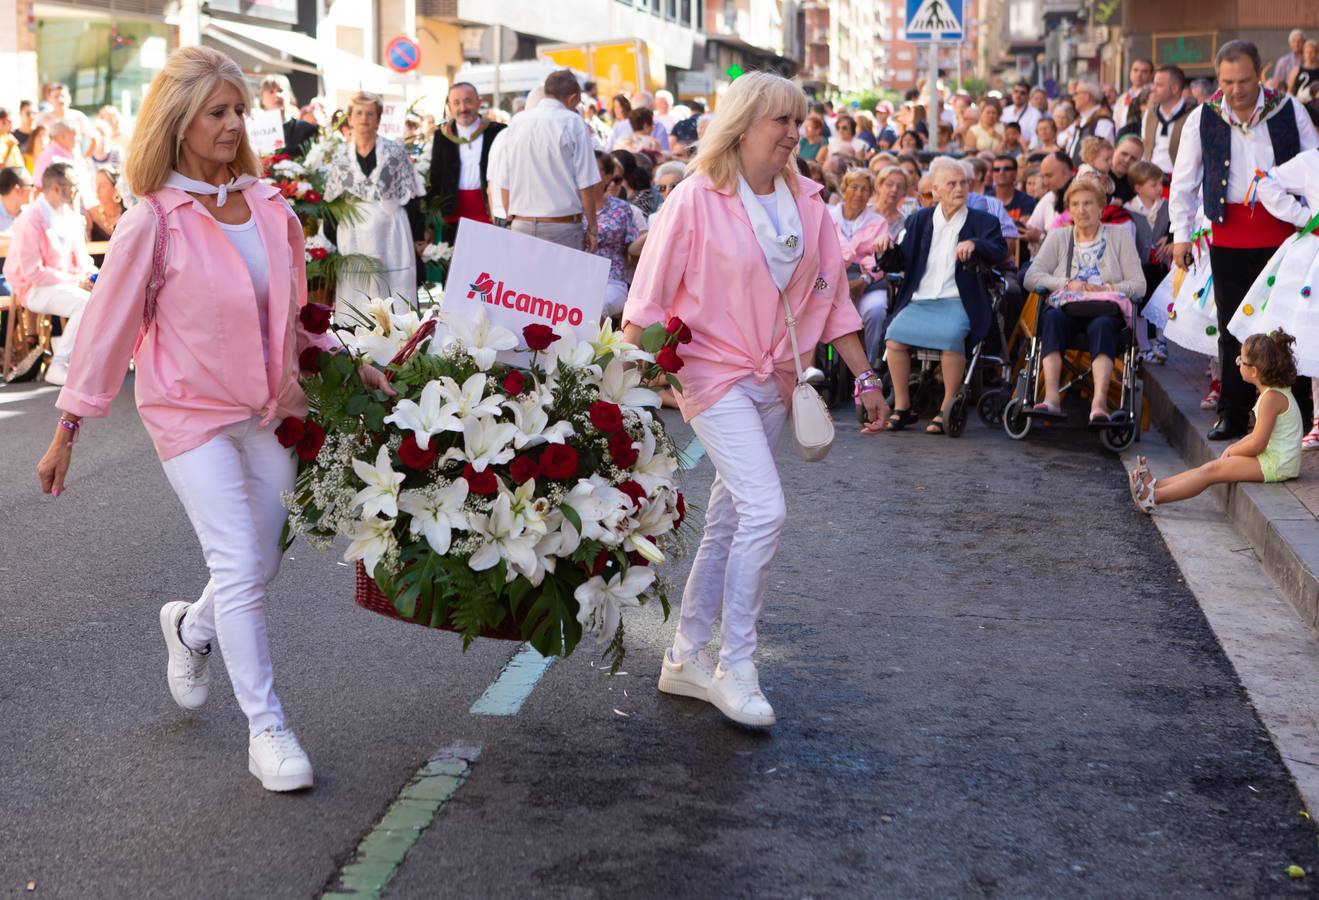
(200, 367)
(859, 249)
(32, 259)
(702, 263)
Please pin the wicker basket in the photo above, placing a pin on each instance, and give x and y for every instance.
(368, 594)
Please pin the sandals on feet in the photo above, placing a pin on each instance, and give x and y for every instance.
(1311, 440)
(935, 426)
(1137, 475)
(900, 419)
(1047, 411)
(1142, 492)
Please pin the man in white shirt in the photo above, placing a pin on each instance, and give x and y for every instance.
(1240, 130)
(1020, 110)
(1129, 102)
(1166, 117)
(546, 168)
(1089, 121)
(460, 161)
(663, 110)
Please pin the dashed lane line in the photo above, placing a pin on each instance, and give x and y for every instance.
(514, 685)
(690, 456)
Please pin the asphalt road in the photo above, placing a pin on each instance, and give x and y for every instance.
(990, 678)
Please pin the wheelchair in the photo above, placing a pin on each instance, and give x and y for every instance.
(984, 384)
(1019, 417)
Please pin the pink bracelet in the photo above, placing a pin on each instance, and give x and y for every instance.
(72, 428)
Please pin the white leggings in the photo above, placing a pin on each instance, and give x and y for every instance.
(230, 487)
(66, 300)
(742, 522)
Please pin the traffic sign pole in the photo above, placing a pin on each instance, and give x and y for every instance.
(932, 94)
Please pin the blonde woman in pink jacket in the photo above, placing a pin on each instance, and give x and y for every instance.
(216, 371)
(743, 228)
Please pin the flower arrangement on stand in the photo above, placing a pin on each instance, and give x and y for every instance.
(530, 501)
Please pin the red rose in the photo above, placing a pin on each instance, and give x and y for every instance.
(636, 559)
(309, 360)
(621, 449)
(279, 157)
(312, 197)
(601, 560)
(633, 490)
(668, 359)
(682, 509)
(559, 461)
(514, 382)
(315, 318)
(679, 329)
(318, 253)
(522, 469)
(309, 444)
(538, 336)
(483, 484)
(289, 431)
(413, 456)
(606, 416)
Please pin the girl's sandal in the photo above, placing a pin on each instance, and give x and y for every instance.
(1137, 475)
(1142, 492)
(1311, 440)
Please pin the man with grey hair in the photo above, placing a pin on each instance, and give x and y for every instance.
(1090, 121)
(1289, 61)
(546, 169)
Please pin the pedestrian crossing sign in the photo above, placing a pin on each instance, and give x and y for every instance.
(934, 20)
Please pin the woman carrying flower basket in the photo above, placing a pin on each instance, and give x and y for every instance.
(743, 229)
(202, 288)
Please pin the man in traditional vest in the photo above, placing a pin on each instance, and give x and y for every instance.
(1165, 118)
(1243, 128)
(1090, 120)
(460, 161)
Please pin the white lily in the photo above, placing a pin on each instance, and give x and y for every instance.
(426, 417)
(440, 252)
(468, 401)
(532, 511)
(620, 383)
(610, 342)
(533, 422)
(600, 603)
(652, 520)
(381, 492)
(485, 443)
(602, 509)
(437, 514)
(654, 468)
(503, 537)
(569, 351)
(287, 168)
(478, 337)
(371, 539)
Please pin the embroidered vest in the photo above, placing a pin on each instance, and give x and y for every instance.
(1216, 141)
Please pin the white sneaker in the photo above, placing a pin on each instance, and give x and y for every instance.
(736, 693)
(277, 759)
(57, 372)
(189, 680)
(687, 679)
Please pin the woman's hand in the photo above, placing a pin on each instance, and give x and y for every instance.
(965, 249)
(375, 380)
(877, 412)
(1075, 285)
(54, 465)
(883, 244)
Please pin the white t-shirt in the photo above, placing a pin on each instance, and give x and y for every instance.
(770, 202)
(247, 241)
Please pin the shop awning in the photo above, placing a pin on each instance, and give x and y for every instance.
(280, 50)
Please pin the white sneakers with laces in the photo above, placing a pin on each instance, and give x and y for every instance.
(735, 692)
(687, 679)
(278, 761)
(187, 675)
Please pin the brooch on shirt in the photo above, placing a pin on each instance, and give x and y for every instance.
(821, 284)
(790, 241)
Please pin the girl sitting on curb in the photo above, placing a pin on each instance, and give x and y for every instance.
(1271, 452)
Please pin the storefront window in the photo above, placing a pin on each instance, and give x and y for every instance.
(102, 61)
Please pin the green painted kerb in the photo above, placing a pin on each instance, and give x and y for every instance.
(381, 852)
(514, 685)
(691, 455)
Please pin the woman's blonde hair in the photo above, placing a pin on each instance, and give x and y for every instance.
(852, 176)
(1091, 147)
(176, 97)
(365, 98)
(888, 172)
(752, 97)
(1085, 186)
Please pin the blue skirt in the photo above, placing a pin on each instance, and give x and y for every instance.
(940, 324)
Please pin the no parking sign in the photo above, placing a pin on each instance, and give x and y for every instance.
(402, 54)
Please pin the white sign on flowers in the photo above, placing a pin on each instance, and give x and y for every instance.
(521, 280)
(265, 131)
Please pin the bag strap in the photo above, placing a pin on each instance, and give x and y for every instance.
(1071, 246)
(791, 322)
(157, 280)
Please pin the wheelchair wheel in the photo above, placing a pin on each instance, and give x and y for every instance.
(1015, 421)
(990, 408)
(954, 420)
(1118, 439)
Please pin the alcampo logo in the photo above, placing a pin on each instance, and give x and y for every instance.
(541, 307)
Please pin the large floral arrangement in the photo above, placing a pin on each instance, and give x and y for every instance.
(484, 491)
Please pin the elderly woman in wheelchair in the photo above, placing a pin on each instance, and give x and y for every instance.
(1089, 274)
(944, 304)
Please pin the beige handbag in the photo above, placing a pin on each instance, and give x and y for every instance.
(812, 426)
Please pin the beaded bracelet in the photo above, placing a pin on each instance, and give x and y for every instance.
(71, 427)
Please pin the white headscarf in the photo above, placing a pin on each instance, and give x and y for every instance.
(783, 246)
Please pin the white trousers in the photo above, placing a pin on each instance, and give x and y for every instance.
(743, 521)
(230, 487)
(67, 300)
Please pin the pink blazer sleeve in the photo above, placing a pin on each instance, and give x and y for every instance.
(663, 261)
(843, 318)
(113, 318)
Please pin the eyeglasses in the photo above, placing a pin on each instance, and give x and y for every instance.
(665, 188)
(616, 180)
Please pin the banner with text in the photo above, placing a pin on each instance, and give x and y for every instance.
(520, 280)
(265, 131)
